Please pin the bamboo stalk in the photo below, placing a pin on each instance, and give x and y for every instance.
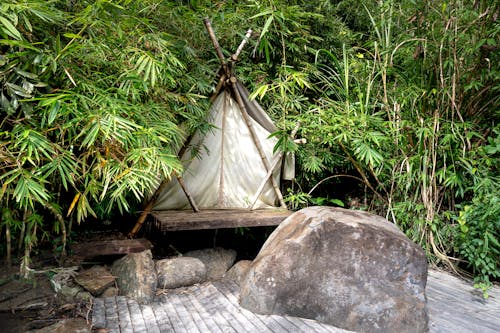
(9, 244)
(255, 140)
(147, 208)
(219, 86)
(60, 219)
(186, 192)
(235, 56)
(279, 156)
(218, 50)
(21, 234)
(24, 269)
(156, 194)
(220, 197)
(266, 179)
(244, 112)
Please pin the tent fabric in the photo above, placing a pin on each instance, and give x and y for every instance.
(255, 110)
(228, 170)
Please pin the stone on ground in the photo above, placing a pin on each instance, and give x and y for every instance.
(136, 276)
(216, 260)
(239, 271)
(110, 292)
(350, 269)
(95, 280)
(180, 272)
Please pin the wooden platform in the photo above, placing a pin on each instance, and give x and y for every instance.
(454, 306)
(215, 219)
(206, 308)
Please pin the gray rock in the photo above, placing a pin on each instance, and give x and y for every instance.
(216, 260)
(239, 271)
(110, 292)
(68, 294)
(84, 296)
(350, 269)
(180, 272)
(136, 276)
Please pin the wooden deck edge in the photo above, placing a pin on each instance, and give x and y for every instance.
(217, 219)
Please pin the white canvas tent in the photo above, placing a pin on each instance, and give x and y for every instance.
(235, 167)
(227, 171)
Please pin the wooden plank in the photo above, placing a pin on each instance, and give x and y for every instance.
(235, 315)
(136, 316)
(175, 319)
(196, 313)
(455, 306)
(98, 313)
(216, 219)
(124, 315)
(110, 247)
(306, 325)
(209, 300)
(183, 313)
(214, 321)
(111, 315)
(162, 318)
(149, 319)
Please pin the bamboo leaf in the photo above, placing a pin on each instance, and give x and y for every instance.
(54, 109)
(265, 29)
(73, 203)
(10, 29)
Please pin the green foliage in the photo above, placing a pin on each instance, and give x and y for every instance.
(477, 232)
(92, 97)
(398, 102)
(405, 109)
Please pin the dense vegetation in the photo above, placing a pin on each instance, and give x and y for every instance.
(398, 101)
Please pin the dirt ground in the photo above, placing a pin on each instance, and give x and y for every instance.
(32, 304)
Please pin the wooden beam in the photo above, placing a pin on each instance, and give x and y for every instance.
(110, 247)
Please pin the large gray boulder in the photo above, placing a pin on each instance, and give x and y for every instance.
(216, 260)
(180, 272)
(136, 276)
(350, 269)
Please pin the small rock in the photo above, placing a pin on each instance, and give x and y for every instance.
(95, 280)
(216, 260)
(136, 276)
(83, 296)
(67, 294)
(239, 271)
(180, 272)
(110, 292)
